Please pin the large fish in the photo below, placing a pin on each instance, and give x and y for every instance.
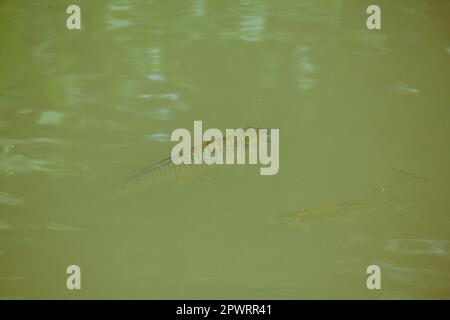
(167, 171)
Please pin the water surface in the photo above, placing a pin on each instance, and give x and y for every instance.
(82, 111)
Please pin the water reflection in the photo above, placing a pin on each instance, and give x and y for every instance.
(159, 137)
(437, 247)
(51, 118)
(10, 200)
(120, 6)
(199, 8)
(305, 68)
(252, 22)
(431, 280)
(11, 163)
(155, 65)
(114, 24)
(160, 96)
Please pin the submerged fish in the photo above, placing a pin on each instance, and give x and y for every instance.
(167, 171)
(409, 174)
(312, 214)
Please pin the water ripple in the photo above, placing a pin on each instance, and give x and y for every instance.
(8, 199)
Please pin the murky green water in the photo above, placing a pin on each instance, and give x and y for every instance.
(363, 116)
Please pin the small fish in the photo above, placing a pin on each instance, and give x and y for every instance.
(409, 174)
(312, 214)
(159, 136)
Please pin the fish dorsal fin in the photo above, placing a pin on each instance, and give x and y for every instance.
(158, 164)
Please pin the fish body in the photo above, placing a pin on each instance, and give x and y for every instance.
(312, 214)
(167, 171)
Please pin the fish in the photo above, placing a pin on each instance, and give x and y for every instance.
(166, 171)
(409, 174)
(305, 216)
